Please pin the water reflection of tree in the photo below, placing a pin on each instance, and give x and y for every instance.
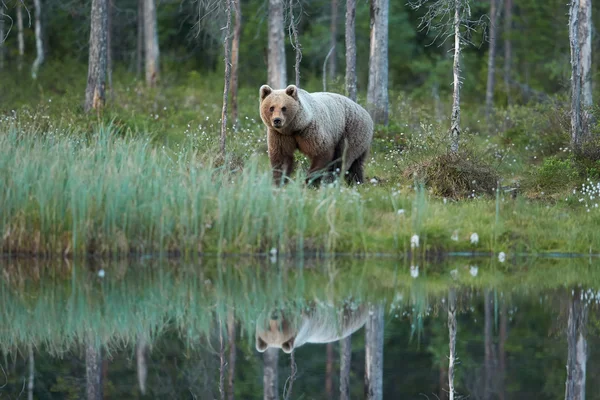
(577, 346)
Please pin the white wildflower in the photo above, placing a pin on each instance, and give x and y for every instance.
(414, 271)
(502, 256)
(400, 211)
(473, 270)
(101, 273)
(414, 241)
(474, 238)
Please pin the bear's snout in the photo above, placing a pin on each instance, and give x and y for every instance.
(277, 122)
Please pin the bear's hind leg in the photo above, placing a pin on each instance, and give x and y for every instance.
(355, 173)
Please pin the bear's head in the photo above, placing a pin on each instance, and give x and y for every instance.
(277, 332)
(278, 108)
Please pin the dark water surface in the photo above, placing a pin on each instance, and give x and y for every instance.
(166, 329)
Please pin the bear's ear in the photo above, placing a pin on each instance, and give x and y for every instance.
(265, 90)
(261, 345)
(292, 91)
(288, 346)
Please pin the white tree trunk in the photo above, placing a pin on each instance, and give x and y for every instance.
(580, 31)
(374, 354)
(451, 340)
(277, 78)
(2, 47)
(345, 361)
(20, 38)
(30, 383)
(235, 56)
(141, 354)
(97, 64)
(140, 38)
(295, 41)
(489, 93)
(350, 49)
(333, 32)
(227, 51)
(39, 43)
(508, 5)
(585, 40)
(270, 374)
(231, 338)
(93, 371)
(577, 348)
(377, 95)
(455, 117)
(151, 43)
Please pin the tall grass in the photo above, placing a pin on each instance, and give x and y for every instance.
(69, 193)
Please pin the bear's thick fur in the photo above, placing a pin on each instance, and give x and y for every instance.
(288, 330)
(334, 132)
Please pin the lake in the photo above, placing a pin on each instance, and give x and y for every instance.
(173, 329)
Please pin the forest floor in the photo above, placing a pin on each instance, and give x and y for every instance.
(143, 177)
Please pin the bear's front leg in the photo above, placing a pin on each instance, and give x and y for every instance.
(281, 155)
(318, 165)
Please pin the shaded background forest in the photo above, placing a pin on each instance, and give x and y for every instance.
(190, 41)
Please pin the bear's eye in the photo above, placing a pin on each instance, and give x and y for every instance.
(272, 108)
(284, 109)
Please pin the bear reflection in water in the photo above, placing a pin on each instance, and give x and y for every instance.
(289, 329)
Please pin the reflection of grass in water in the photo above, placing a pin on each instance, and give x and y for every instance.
(57, 310)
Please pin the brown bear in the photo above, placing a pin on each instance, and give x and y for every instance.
(288, 330)
(334, 132)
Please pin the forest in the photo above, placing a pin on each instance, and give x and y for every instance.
(132, 145)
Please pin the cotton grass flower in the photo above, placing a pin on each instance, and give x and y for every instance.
(454, 236)
(414, 271)
(474, 238)
(414, 241)
(473, 270)
(502, 256)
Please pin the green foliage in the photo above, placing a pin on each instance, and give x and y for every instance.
(553, 175)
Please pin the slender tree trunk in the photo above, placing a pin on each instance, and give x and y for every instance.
(329, 371)
(374, 354)
(345, 363)
(488, 343)
(232, 348)
(222, 361)
(2, 47)
(577, 348)
(276, 55)
(227, 51)
(95, 91)
(455, 118)
(377, 95)
(333, 30)
(109, 52)
(235, 56)
(452, 341)
(140, 38)
(350, 49)
(585, 40)
(295, 42)
(502, 350)
(93, 371)
(489, 93)
(270, 374)
(508, 5)
(151, 43)
(39, 42)
(580, 14)
(142, 362)
(20, 37)
(30, 383)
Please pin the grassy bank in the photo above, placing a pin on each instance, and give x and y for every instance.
(66, 193)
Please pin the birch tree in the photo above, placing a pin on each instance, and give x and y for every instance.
(333, 33)
(446, 17)
(227, 51)
(345, 362)
(20, 38)
(451, 341)
(93, 371)
(2, 35)
(97, 63)
(276, 69)
(39, 42)
(235, 56)
(270, 374)
(141, 353)
(508, 5)
(350, 49)
(293, 28)
(231, 338)
(580, 37)
(374, 354)
(140, 38)
(491, 73)
(377, 92)
(577, 347)
(151, 43)
(329, 370)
